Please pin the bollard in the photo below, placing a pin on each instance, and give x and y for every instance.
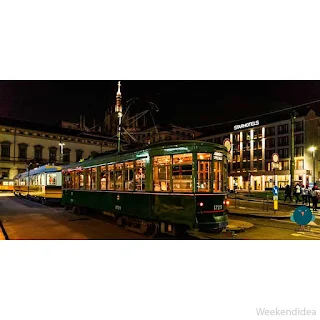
(275, 203)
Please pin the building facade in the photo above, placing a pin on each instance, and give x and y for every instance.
(165, 133)
(23, 142)
(253, 144)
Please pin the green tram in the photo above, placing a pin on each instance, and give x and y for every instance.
(169, 187)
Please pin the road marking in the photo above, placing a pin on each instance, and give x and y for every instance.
(303, 234)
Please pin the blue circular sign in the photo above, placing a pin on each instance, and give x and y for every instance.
(275, 190)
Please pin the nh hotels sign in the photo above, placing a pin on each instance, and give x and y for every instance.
(246, 125)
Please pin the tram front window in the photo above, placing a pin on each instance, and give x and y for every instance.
(217, 172)
(204, 172)
(217, 176)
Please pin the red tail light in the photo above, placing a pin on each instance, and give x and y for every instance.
(201, 204)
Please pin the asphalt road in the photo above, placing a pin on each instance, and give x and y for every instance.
(269, 229)
(24, 219)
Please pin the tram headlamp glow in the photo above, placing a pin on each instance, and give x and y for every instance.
(201, 204)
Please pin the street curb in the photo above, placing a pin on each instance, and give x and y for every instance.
(258, 215)
(291, 222)
(281, 202)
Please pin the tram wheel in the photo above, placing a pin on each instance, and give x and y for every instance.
(153, 229)
(121, 221)
(76, 210)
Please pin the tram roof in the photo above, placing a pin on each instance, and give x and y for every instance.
(42, 169)
(161, 148)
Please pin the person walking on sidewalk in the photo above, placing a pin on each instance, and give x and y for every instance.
(287, 192)
(304, 194)
(315, 196)
(309, 197)
(297, 192)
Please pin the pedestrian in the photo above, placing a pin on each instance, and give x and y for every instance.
(315, 196)
(304, 194)
(309, 197)
(297, 192)
(287, 192)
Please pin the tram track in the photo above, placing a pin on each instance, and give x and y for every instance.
(3, 230)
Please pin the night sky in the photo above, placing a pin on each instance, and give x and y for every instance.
(188, 103)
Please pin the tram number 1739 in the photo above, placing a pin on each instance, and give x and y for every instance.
(217, 207)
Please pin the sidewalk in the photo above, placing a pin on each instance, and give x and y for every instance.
(249, 212)
(240, 196)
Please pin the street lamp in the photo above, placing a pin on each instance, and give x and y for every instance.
(313, 149)
(61, 144)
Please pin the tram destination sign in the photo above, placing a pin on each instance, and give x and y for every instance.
(246, 125)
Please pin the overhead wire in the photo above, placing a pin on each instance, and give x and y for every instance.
(259, 115)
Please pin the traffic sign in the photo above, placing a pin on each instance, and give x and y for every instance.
(275, 190)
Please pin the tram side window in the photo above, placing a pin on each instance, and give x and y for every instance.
(87, 175)
(161, 173)
(76, 180)
(72, 180)
(51, 179)
(67, 183)
(217, 176)
(81, 179)
(103, 178)
(128, 175)
(140, 175)
(182, 173)
(94, 178)
(204, 172)
(110, 177)
(119, 176)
